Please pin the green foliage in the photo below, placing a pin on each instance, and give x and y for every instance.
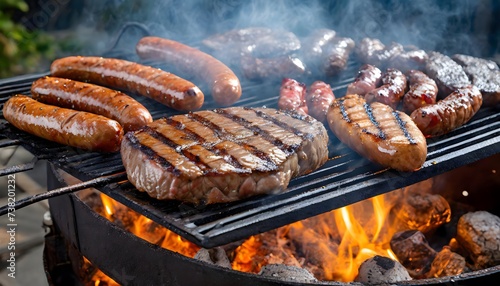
(22, 51)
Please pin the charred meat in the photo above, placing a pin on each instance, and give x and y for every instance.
(223, 155)
(448, 75)
(484, 74)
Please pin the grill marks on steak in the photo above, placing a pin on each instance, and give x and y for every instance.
(222, 145)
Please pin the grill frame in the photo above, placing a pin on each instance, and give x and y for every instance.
(345, 179)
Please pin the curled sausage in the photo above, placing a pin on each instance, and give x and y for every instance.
(423, 91)
(92, 98)
(225, 85)
(65, 126)
(392, 90)
(293, 96)
(164, 87)
(368, 78)
(453, 111)
(319, 97)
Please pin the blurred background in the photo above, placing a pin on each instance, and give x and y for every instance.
(34, 32)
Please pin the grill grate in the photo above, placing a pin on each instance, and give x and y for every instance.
(345, 179)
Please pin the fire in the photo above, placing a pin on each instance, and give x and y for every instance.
(332, 246)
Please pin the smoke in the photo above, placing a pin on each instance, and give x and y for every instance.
(465, 26)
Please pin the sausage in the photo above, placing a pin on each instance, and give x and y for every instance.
(392, 90)
(369, 77)
(453, 111)
(377, 132)
(423, 91)
(79, 129)
(162, 86)
(224, 84)
(92, 98)
(319, 96)
(293, 96)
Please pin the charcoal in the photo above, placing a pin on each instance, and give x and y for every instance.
(216, 256)
(287, 273)
(478, 233)
(447, 263)
(381, 270)
(422, 211)
(413, 251)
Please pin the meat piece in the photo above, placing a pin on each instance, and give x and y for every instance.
(258, 42)
(336, 54)
(377, 132)
(293, 96)
(374, 52)
(412, 59)
(423, 91)
(422, 211)
(312, 45)
(448, 75)
(272, 68)
(223, 83)
(92, 98)
(65, 126)
(448, 114)
(478, 233)
(162, 86)
(391, 91)
(368, 78)
(413, 251)
(223, 155)
(380, 270)
(319, 96)
(484, 74)
(447, 263)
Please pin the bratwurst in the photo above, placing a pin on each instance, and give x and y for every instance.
(65, 126)
(224, 84)
(92, 98)
(164, 87)
(450, 113)
(377, 132)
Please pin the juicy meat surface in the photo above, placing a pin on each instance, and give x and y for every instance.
(223, 155)
(377, 132)
(484, 74)
(448, 75)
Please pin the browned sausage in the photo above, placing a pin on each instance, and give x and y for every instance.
(423, 91)
(162, 86)
(453, 111)
(225, 85)
(92, 98)
(392, 90)
(319, 96)
(66, 126)
(293, 96)
(369, 77)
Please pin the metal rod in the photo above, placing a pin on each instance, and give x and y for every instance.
(64, 190)
(17, 168)
(8, 143)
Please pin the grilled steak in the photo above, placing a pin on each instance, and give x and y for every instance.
(377, 132)
(448, 75)
(484, 74)
(223, 155)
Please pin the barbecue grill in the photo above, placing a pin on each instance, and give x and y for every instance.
(345, 179)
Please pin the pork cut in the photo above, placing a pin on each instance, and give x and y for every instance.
(223, 155)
